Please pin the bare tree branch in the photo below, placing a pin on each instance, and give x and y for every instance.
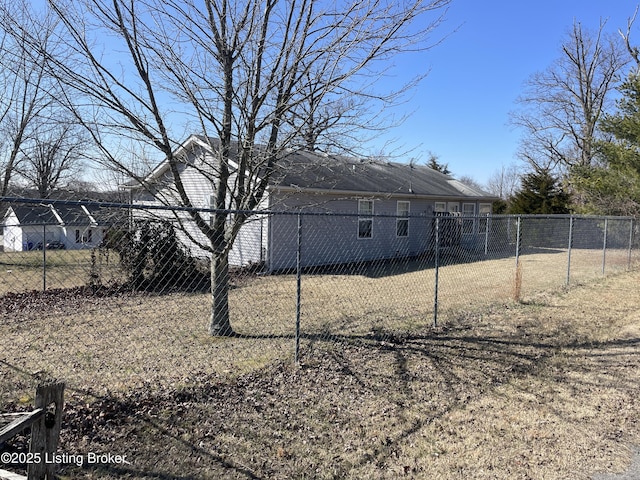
(562, 105)
(26, 90)
(54, 158)
(633, 51)
(250, 76)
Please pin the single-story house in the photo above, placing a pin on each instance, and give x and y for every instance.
(360, 209)
(32, 226)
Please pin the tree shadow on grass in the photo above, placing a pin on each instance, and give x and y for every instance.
(464, 367)
(354, 402)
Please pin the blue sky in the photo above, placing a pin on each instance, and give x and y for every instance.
(461, 109)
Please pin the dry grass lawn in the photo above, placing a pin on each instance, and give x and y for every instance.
(543, 388)
(118, 342)
(23, 271)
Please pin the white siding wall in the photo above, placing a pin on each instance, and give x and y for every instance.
(86, 240)
(12, 235)
(250, 244)
(18, 238)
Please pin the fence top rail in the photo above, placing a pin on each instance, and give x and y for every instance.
(300, 211)
(568, 216)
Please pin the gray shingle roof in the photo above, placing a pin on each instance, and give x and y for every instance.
(43, 214)
(307, 170)
(72, 214)
(34, 215)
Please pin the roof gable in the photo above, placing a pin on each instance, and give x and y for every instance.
(48, 214)
(184, 155)
(33, 214)
(72, 214)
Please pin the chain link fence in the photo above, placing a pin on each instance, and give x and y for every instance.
(326, 274)
(111, 297)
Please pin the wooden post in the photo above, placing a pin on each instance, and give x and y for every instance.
(45, 432)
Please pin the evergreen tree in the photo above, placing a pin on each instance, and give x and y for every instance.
(500, 207)
(540, 193)
(433, 163)
(613, 186)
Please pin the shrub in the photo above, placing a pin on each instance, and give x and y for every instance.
(155, 260)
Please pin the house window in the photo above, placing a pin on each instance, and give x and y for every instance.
(89, 236)
(78, 236)
(440, 207)
(365, 218)
(402, 224)
(468, 220)
(453, 207)
(484, 212)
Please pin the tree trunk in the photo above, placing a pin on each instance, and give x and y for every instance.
(220, 325)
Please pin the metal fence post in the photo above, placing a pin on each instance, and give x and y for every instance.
(298, 287)
(437, 267)
(517, 284)
(486, 235)
(569, 245)
(518, 241)
(630, 244)
(44, 258)
(604, 245)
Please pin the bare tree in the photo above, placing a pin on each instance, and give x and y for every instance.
(470, 181)
(341, 121)
(562, 105)
(53, 157)
(317, 119)
(239, 72)
(25, 91)
(504, 182)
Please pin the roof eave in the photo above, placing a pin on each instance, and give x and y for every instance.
(325, 191)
